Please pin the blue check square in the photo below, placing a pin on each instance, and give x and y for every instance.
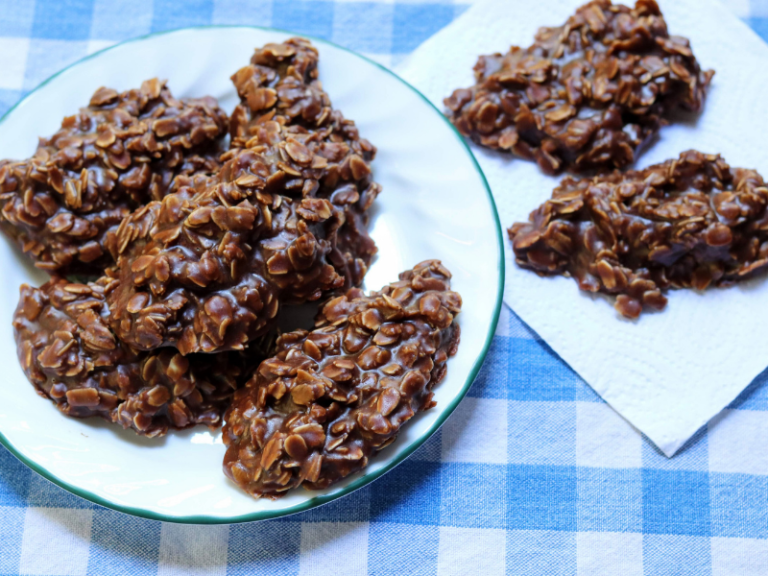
(541, 497)
(242, 12)
(414, 23)
(494, 378)
(302, 17)
(409, 494)
(352, 508)
(17, 18)
(123, 545)
(121, 19)
(352, 18)
(759, 25)
(676, 502)
(535, 372)
(170, 14)
(45, 494)
(14, 480)
(57, 20)
(264, 548)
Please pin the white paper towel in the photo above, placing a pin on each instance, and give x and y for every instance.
(667, 373)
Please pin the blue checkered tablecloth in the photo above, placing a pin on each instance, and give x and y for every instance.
(532, 475)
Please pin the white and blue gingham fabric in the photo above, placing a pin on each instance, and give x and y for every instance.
(532, 475)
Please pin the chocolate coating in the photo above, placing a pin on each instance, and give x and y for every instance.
(281, 84)
(692, 222)
(333, 397)
(586, 95)
(63, 205)
(284, 221)
(207, 268)
(70, 355)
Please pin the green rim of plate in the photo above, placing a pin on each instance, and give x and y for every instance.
(364, 480)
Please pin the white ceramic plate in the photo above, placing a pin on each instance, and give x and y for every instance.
(435, 204)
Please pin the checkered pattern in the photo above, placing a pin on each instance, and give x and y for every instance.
(533, 474)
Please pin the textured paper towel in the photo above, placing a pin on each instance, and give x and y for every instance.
(670, 372)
